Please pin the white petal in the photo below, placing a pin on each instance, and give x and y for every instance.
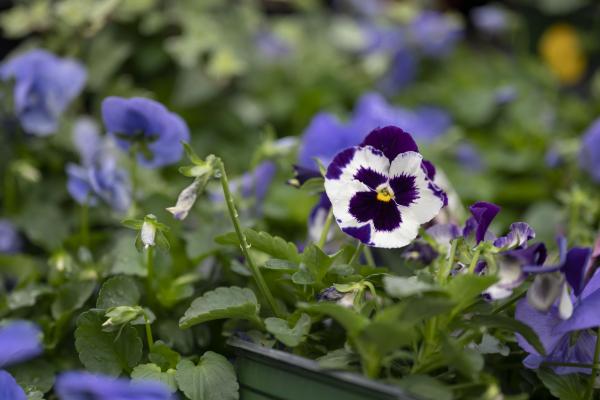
(399, 237)
(408, 163)
(366, 157)
(565, 306)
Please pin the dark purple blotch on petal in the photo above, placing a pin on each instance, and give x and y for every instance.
(365, 207)
(370, 178)
(405, 189)
(429, 169)
(362, 233)
(343, 158)
(439, 193)
(391, 140)
(575, 267)
(483, 213)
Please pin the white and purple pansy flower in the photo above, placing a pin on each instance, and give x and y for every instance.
(381, 191)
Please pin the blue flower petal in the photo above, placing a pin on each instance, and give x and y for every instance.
(19, 341)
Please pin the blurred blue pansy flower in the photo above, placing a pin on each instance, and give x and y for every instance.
(155, 132)
(84, 385)
(44, 85)
(434, 33)
(98, 177)
(490, 19)
(590, 151)
(19, 341)
(10, 240)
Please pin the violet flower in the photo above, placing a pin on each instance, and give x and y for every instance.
(154, 132)
(554, 330)
(98, 178)
(434, 33)
(10, 240)
(84, 385)
(44, 85)
(379, 191)
(590, 151)
(490, 19)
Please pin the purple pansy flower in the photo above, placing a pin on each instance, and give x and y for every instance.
(554, 330)
(483, 213)
(380, 191)
(490, 19)
(44, 85)
(98, 178)
(590, 151)
(10, 240)
(435, 33)
(84, 385)
(19, 341)
(146, 124)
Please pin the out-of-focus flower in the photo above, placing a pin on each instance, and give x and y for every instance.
(590, 151)
(402, 71)
(468, 157)
(186, 200)
(555, 331)
(10, 240)
(561, 49)
(98, 178)
(44, 85)
(434, 33)
(154, 132)
(251, 185)
(9, 388)
(490, 19)
(83, 385)
(271, 46)
(505, 94)
(19, 341)
(380, 192)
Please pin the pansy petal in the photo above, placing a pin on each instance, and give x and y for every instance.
(575, 267)
(9, 388)
(544, 291)
(19, 341)
(542, 323)
(520, 233)
(391, 140)
(399, 237)
(585, 315)
(483, 213)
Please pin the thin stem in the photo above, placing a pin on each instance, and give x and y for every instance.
(235, 219)
(357, 252)
(474, 260)
(326, 227)
(369, 256)
(149, 269)
(590, 390)
(149, 337)
(85, 224)
(443, 271)
(133, 170)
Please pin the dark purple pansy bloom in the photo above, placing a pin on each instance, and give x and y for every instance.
(555, 331)
(435, 33)
(98, 178)
(483, 213)
(10, 240)
(44, 85)
(84, 385)
(19, 341)
(380, 191)
(146, 124)
(590, 151)
(9, 388)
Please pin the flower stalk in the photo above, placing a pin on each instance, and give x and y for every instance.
(235, 219)
(326, 228)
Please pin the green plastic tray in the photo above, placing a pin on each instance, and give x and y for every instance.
(272, 374)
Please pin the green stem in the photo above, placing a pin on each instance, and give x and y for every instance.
(326, 227)
(357, 252)
(235, 219)
(443, 271)
(85, 225)
(149, 333)
(590, 390)
(149, 269)
(474, 260)
(133, 170)
(369, 256)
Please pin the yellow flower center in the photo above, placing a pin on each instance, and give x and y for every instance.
(384, 194)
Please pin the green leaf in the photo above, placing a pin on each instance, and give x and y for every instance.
(314, 186)
(564, 387)
(27, 296)
(117, 291)
(135, 224)
(466, 361)
(262, 241)
(509, 324)
(280, 265)
(163, 355)
(125, 258)
(425, 387)
(71, 296)
(291, 337)
(106, 352)
(465, 288)
(416, 309)
(212, 379)
(316, 261)
(400, 287)
(223, 302)
(338, 359)
(352, 321)
(35, 375)
(303, 277)
(191, 154)
(152, 372)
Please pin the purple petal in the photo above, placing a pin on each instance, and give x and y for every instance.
(582, 352)
(10, 240)
(362, 233)
(429, 169)
(405, 190)
(341, 160)
(576, 266)
(9, 388)
(19, 341)
(520, 233)
(585, 315)
(303, 174)
(542, 323)
(483, 213)
(391, 140)
(589, 154)
(370, 177)
(444, 233)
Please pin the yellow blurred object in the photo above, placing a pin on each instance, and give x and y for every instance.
(561, 50)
